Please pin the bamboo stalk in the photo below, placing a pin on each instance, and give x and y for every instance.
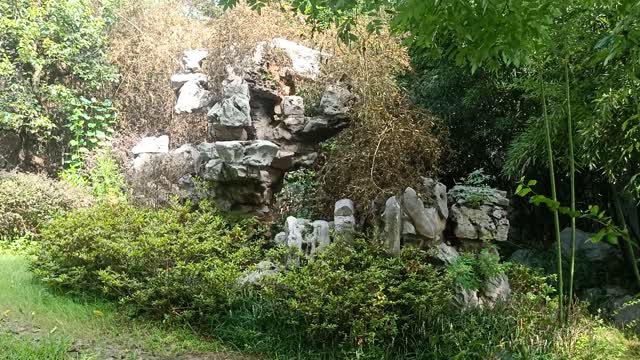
(554, 196)
(572, 172)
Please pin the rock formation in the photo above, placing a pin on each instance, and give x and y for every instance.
(259, 128)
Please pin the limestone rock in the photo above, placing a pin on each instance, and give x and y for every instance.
(344, 219)
(392, 218)
(230, 151)
(192, 59)
(497, 289)
(344, 207)
(177, 80)
(600, 251)
(336, 101)
(260, 153)
(280, 238)
(445, 253)
(192, 97)
(426, 221)
(479, 213)
(152, 144)
(305, 62)
(628, 315)
(292, 105)
(263, 269)
(320, 236)
(230, 118)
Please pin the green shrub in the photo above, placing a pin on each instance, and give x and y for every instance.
(53, 62)
(99, 174)
(471, 269)
(172, 262)
(30, 200)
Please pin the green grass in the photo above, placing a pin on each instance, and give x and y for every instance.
(38, 324)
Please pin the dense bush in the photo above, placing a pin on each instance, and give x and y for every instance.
(172, 262)
(29, 200)
(350, 301)
(53, 63)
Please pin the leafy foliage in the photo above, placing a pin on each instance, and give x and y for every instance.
(53, 57)
(28, 201)
(470, 270)
(170, 262)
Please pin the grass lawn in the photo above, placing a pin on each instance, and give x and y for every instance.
(37, 324)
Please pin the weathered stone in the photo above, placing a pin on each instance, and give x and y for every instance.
(305, 160)
(344, 207)
(392, 218)
(177, 80)
(230, 118)
(295, 123)
(478, 223)
(336, 101)
(192, 157)
(426, 221)
(320, 236)
(140, 161)
(344, 219)
(436, 193)
(263, 269)
(320, 128)
(260, 153)
(283, 160)
(152, 144)
(281, 238)
(192, 97)
(445, 253)
(294, 233)
(292, 105)
(208, 150)
(192, 59)
(467, 298)
(230, 151)
(585, 248)
(497, 289)
(305, 62)
(408, 228)
(628, 316)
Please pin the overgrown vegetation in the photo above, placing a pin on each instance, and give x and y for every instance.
(27, 201)
(52, 59)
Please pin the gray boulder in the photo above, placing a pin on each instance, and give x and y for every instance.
(305, 62)
(260, 153)
(192, 59)
(177, 80)
(336, 101)
(192, 97)
(392, 218)
(230, 118)
(263, 270)
(479, 213)
(600, 251)
(152, 145)
(230, 151)
(344, 220)
(320, 236)
(497, 289)
(426, 220)
(292, 105)
(445, 253)
(628, 316)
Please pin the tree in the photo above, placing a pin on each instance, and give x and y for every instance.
(52, 61)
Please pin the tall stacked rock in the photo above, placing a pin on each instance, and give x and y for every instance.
(259, 128)
(478, 214)
(190, 84)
